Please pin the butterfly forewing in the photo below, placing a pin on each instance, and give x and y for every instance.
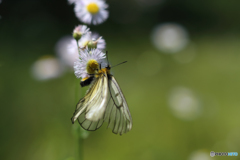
(93, 104)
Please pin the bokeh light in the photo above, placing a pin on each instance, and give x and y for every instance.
(47, 67)
(200, 155)
(67, 51)
(169, 37)
(184, 104)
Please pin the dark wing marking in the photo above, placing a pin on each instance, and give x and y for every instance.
(87, 81)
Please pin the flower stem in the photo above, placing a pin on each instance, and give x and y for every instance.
(80, 145)
(81, 134)
(79, 130)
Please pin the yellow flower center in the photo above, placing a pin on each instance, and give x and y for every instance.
(92, 66)
(92, 8)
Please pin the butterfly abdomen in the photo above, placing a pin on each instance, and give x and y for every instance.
(86, 82)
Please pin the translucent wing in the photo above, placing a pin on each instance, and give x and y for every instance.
(117, 113)
(90, 109)
(104, 101)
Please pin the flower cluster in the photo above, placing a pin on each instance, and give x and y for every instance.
(88, 45)
(83, 47)
(90, 48)
(90, 11)
(89, 41)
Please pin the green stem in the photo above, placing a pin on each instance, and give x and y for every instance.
(80, 145)
(81, 133)
(80, 138)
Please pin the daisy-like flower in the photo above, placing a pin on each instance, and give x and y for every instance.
(91, 11)
(90, 40)
(92, 57)
(79, 31)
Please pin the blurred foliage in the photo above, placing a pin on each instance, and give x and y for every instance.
(35, 116)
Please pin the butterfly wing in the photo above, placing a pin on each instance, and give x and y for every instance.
(117, 113)
(104, 101)
(90, 109)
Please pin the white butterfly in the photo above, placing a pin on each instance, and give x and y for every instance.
(104, 101)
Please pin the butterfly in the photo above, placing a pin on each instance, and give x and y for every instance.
(104, 101)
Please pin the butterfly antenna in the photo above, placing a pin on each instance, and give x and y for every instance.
(119, 64)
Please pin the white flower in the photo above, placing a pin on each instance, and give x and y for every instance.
(67, 49)
(81, 28)
(91, 11)
(80, 66)
(93, 39)
(79, 31)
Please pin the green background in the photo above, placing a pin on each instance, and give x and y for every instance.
(35, 115)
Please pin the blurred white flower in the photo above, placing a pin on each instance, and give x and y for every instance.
(200, 155)
(46, 68)
(184, 104)
(169, 37)
(80, 66)
(91, 11)
(92, 39)
(67, 50)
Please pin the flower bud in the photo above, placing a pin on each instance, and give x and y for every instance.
(92, 44)
(79, 31)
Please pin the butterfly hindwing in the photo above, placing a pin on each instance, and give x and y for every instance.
(119, 117)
